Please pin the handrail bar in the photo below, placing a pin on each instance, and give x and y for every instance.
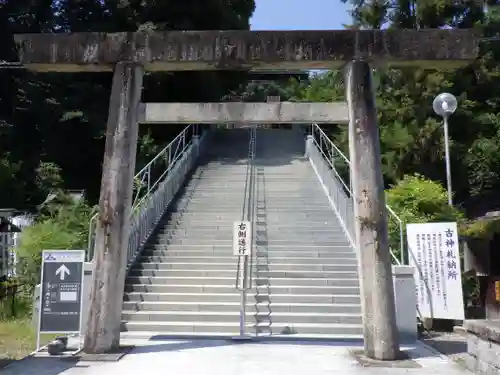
(323, 138)
(171, 154)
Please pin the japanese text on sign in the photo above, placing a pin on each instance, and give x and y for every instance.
(61, 291)
(242, 238)
(434, 252)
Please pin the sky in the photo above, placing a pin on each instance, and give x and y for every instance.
(299, 15)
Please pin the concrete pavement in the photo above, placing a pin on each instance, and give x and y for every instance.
(220, 357)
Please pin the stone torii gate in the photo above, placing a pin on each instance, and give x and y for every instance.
(130, 54)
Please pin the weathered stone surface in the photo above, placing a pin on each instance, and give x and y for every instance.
(479, 367)
(486, 351)
(248, 113)
(483, 346)
(208, 50)
(484, 329)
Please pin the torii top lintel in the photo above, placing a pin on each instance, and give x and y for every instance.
(258, 50)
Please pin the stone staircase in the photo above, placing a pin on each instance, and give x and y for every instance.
(304, 271)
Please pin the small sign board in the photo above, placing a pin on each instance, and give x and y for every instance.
(242, 238)
(434, 253)
(61, 289)
(497, 291)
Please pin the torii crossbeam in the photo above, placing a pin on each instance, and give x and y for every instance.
(258, 50)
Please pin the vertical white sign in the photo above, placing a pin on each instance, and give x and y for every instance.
(433, 251)
(242, 237)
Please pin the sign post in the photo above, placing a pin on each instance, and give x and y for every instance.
(433, 251)
(242, 248)
(61, 292)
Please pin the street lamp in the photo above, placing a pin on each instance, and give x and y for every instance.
(445, 104)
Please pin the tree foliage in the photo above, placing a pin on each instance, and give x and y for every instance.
(411, 133)
(57, 121)
(62, 224)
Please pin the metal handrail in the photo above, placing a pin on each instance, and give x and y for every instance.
(332, 155)
(248, 206)
(147, 180)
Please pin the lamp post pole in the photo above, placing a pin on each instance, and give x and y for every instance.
(447, 159)
(445, 105)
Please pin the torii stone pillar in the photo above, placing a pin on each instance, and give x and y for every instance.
(113, 226)
(370, 216)
(263, 50)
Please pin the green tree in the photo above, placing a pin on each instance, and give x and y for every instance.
(60, 118)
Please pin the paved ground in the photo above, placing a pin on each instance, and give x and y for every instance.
(220, 357)
(451, 344)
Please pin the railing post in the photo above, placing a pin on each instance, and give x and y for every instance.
(401, 243)
(309, 145)
(149, 178)
(196, 145)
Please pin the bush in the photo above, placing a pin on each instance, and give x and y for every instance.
(62, 224)
(416, 199)
(483, 229)
(16, 300)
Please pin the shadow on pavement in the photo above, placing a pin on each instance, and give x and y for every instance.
(41, 366)
(170, 344)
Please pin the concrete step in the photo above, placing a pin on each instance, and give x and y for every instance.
(234, 316)
(259, 245)
(222, 164)
(229, 281)
(295, 191)
(269, 259)
(276, 196)
(252, 307)
(235, 297)
(231, 265)
(306, 183)
(269, 217)
(295, 242)
(198, 186)
(171, 328)
(134, 272)
(291, 214)
(264, 225)
(261, 194)
(264, 290)
(236, 205)
(297, 171)
(330, 253)
(226, 177)
(228, 230)
(269, 180)
(260, 232)
(215, 239)
(261, 224)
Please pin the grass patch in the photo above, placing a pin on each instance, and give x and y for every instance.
(18, 339)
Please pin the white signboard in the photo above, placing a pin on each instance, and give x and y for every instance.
(242, 238)
(433, 251)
